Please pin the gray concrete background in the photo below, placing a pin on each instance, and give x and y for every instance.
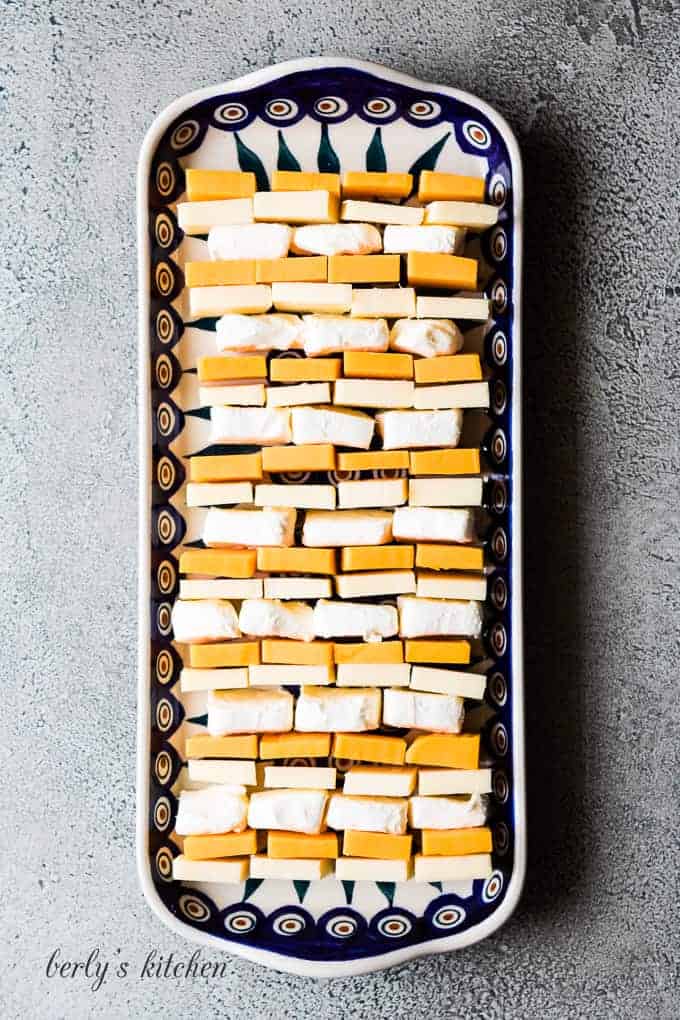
(592, 89)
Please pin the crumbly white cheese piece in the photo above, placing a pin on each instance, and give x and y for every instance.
(333, 334)
(453, 781)
(266, 426)
(241, 773)
(329, 710)
(438, 617)
(370, 492)
(337, 239)
(347, 527)
(268, 710)
(213, 809)
(415, 710)
(439, 240)
(218, 493)
(249, 527)
(447, 812)
(304, 497)
(329, 425)
(355, 619)
(250, 241)
(202, 217)
(374, 392)
(445, 492)
(448, 681)
(429, 338)
(292, 810)
(272, 332)
(381, 212)
(271, 618)
(380, 781)
(463, 395)
(301, 393)
(379, 582)
(476, 215)
(433, 524)
(207, 620)
(403, 429)
(368, 814)
(360, 674)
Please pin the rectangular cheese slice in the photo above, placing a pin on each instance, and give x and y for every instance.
(204, 746)
(424, 650)
(267, 426)
(204, 185)
(444, 492)
(223, 273)
(229, 655)
(293, 370)
(374, 392)
(369, 557)
(434, 186)
(327, 709)
(462, 308)
(228, 773)
(383, 302)
(447, 812)
(421, 710)
(451, 586)
(272, 675)
(305, 457)
(364, 269)
(452, 869)
(419, 428)
(299, 777)
(234, 394)
(380, 781)
(419, 617)
(372, 747)
(381, 212)
(299, 180)
(300, 845)
(430, 269)
(346, 527)
(335, 334)
(376, 365)
(293, 810)
(450, 750)
(267, 710)
(218, 493)
(358, 869)
(249, 299)
(433, 524)
(297, 587)
(221, 588)
(472, 394)
(372, 493)
(303, 393)
(448, 681)
(456, 842)
(381, 582)
(295, 206)
(373, 675)
(200, 217)
(291, 869)
(322, 298)
(473, 215)
(373, 460)
(212, 679)
(297, 561)
(309, 269)
(318, 497)
(238, 563)
(272, 526)
(444, 462)
(449, 368)
(295, 745)
(226, 467)
(368, 814)
(453, 781)
(297, 653)
(231, 870)
(240, 366)
(374, 652)
(330, 425)
(376, 845)
(228, 844)
(368, 621)
(376, 184)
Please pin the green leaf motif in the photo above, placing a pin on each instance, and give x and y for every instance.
(387, 889)
(375, 154)
(250, 161)
(428, 160)
(349, 890)
(301, 889)
(199, 720)
(437, 885)
(327, 158)
(209, 324)
(286, 160)
(252, 884)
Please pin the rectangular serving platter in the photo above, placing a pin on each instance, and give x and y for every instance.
(328, 115)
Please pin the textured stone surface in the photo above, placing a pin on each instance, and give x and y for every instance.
(592, 89)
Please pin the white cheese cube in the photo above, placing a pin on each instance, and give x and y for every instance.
(241, 773)
(374, 392)
(272, 618)
(249, 527)
(329, 710)
(429, 338)
(474, 394)
(440, 713)
(226, 871)
(218, 493)
(381, 212)
(433, 524)
(207, 620)
(314, 497)
(447, 812)
(372, 493)
(254, 241)
(331, 298)
(367, 869)
(265, 426)
(245, 298)
(453, 781)
(333, 334)
(451, 586)
(355, 619)
(378, 582)
(438, 618)
(292, 810)
(402, 429)
(464, 308)
(295, 206)
(439, 240)
(212, 679)
(359, 674)
(445, 492)
(452, 869)
(240, 394)
(297, 588)
(476, 215)
(347, 527)
(213, 809)
(448, 681)
(379, 781)
(272, 332)
(221, 588)
(368, 814)
(337, 239)
(273, 675)
(268, 710)
(201, 217)
(329, 425)
(297, 869)
(302, 393)
(299, 777)
(383, 302)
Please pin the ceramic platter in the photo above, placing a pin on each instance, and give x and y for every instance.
(329, 115)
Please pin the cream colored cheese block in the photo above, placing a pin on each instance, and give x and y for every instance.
(313, 497)
(297, 588)
(329, 710)
(447, 812)
(201, 217)
(401, 429)
(302, 393)
(438, 618)
(373, 675)
(433, 524)
(453, 781)
(367, 814)
(334, 334)
(429, 338)
(242, 425)
(206, 620)
(274, 675)
(248, 298)
(337, 239)
(374, 392)
(366, 869)
(373, 493)
(475, 215)
(473, 394)
(245, 395)
(299, 777)
(213, 809)
(330, 298)
(291, 809)
(314, 425)
(212, 679)
(230, 773)
(451, 869)
(451, 586)
(448, 681)
(438, 240)
(231, 870)
(381, 212)
(258, 333)
(445, 492)
(383, 302)
(347, 527)
(465, 308)
(380, 582)
(251, 711)
(274, 618)
(441, 713)
(218, 493)
(249, 527)
(254, 241)
(292, 869)
(355, 619)
(380, 781)
(295, 206)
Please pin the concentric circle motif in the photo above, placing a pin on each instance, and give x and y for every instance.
(164, 618)
(498, 189)
(451, 915)
(498, 446)
(162, 814)
(501, 839)
(281, 109)
(289, 923)
(341, 926)
(425, 109)
(194, 909)
(476, 134)
(166, 577)
(231, 114)
(162, 766)
(499, 397)
(294, 477)
(498, 688)
(499, 593)
(499, 296)
(165, 666)
(390, 473)
(164, 230)
(164, 715)
(166, 474)
(299, 762)
(499, 244)
(165, 418)
(334, 477)
(166, 527)
(501, 786)
(330, 106)
(240, 921)
(499, 496)
(393, 924)
(165, 179)
(163, 371)
(290, 354)
(499, 639)
(165, 279)
(343, 765)
(163, 862)
(499, 347)
(184, 134)
(380, 107)
(499, 544)
(492, 887)
(499, 739)
(165, 326)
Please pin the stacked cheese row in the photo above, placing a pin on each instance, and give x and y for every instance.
(256, 613)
